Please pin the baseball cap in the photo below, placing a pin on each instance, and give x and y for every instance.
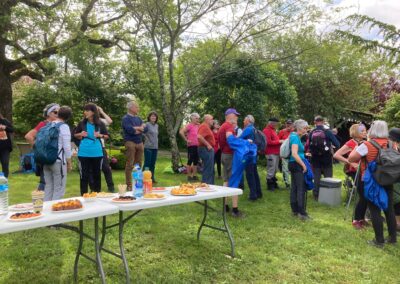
(273, 119)
(319, 118)
(230, 111)
(289, 121)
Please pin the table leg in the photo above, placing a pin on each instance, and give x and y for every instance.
(79, 251)
(228, 231)
(97, 249)
(204, 219)
(121, 245)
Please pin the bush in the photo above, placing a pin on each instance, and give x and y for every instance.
(117, 158)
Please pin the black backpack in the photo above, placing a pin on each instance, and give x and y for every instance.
(260, 141)
(318, 143)
(388, 164)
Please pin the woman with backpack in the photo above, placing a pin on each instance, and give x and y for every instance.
(358, 133)
(366, 153)
(90, 153)
(298, 168)
(55, 174)
(5, 144)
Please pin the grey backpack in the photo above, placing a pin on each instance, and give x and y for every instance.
(388, 164)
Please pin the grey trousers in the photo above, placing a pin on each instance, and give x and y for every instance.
(285, 171)
(272, 165)
(55, 176)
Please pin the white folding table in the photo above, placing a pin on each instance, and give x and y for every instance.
(140, 204)
(91, 210)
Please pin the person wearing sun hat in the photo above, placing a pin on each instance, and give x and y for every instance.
(231, 117)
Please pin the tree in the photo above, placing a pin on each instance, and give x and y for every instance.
(171, 27)
(386, 41)
(250, 87)
(328, 73)
(32, 31)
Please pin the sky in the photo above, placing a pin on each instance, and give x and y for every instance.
(387, 11)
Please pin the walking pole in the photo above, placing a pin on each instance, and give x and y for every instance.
(354, 188)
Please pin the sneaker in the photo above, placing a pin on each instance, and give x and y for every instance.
(374, 243)
(238, 214)
(390, 240)
(365, 223)
(294, 214)
(303, 217)
(358, 225)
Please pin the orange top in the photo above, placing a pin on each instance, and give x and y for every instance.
(372, 152)
(208, 135)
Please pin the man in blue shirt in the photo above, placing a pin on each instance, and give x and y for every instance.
(252, 177)
(133, 129)
(319, 144)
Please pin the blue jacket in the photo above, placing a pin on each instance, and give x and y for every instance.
(248, 132)
(244, 153)
(373, 191)
(130, 134)
(308, 175)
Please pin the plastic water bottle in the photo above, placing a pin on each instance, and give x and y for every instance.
(3, 194)
(138, 177)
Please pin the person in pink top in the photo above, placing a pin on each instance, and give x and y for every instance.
(189, 134)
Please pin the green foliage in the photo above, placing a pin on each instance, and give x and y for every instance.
(120, 157)
(388, 35)
(391, 111)
(251, 88)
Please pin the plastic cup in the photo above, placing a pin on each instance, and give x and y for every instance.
(37, 200)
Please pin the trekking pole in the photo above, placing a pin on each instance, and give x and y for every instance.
(354, 188)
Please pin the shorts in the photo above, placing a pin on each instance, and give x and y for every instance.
(193, 156)
(226, 160)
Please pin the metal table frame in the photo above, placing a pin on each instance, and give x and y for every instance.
(123, 220)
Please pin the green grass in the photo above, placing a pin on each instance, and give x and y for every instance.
(161, 246)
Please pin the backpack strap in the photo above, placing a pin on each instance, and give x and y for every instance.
(375, 144)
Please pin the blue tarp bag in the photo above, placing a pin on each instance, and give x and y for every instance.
(244, 153)
(308, 175)
(45, 149)
(373, 191)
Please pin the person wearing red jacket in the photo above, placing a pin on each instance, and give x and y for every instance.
(272, 153)
(283, 135)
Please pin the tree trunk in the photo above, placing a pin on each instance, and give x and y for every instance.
(175, 155)
(5, 94)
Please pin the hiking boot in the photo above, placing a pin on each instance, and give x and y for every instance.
(374, 243)
(304, 217)
(270, 185)
(358, 225)
(238, 214)
(391, 240)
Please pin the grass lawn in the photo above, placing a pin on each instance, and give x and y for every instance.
(161, 245)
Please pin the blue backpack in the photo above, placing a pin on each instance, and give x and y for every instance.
(45, 149)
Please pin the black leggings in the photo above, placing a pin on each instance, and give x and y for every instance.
(90, 171)
(362, 203)
(217, 160)
(376, 218)
(5, 161)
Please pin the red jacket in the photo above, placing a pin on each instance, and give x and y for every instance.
(273, 144)
(284, 134)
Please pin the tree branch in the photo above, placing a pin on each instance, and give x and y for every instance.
(26, 72)
(38, 5)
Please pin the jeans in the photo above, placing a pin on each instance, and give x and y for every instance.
(5, 161)
(253, 180)
(90, 166)
(327, 171)
(56, 179)
(134, 153)
(376, 218)
(298, 189)
(207, 156)
(150, 158)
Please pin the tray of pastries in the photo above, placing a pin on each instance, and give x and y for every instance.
(185, 189)
(71, 205)
(124, 199)
(154, 196)
(24, 216)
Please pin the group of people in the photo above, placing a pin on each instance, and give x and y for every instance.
(89, 137)
(227, 146)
